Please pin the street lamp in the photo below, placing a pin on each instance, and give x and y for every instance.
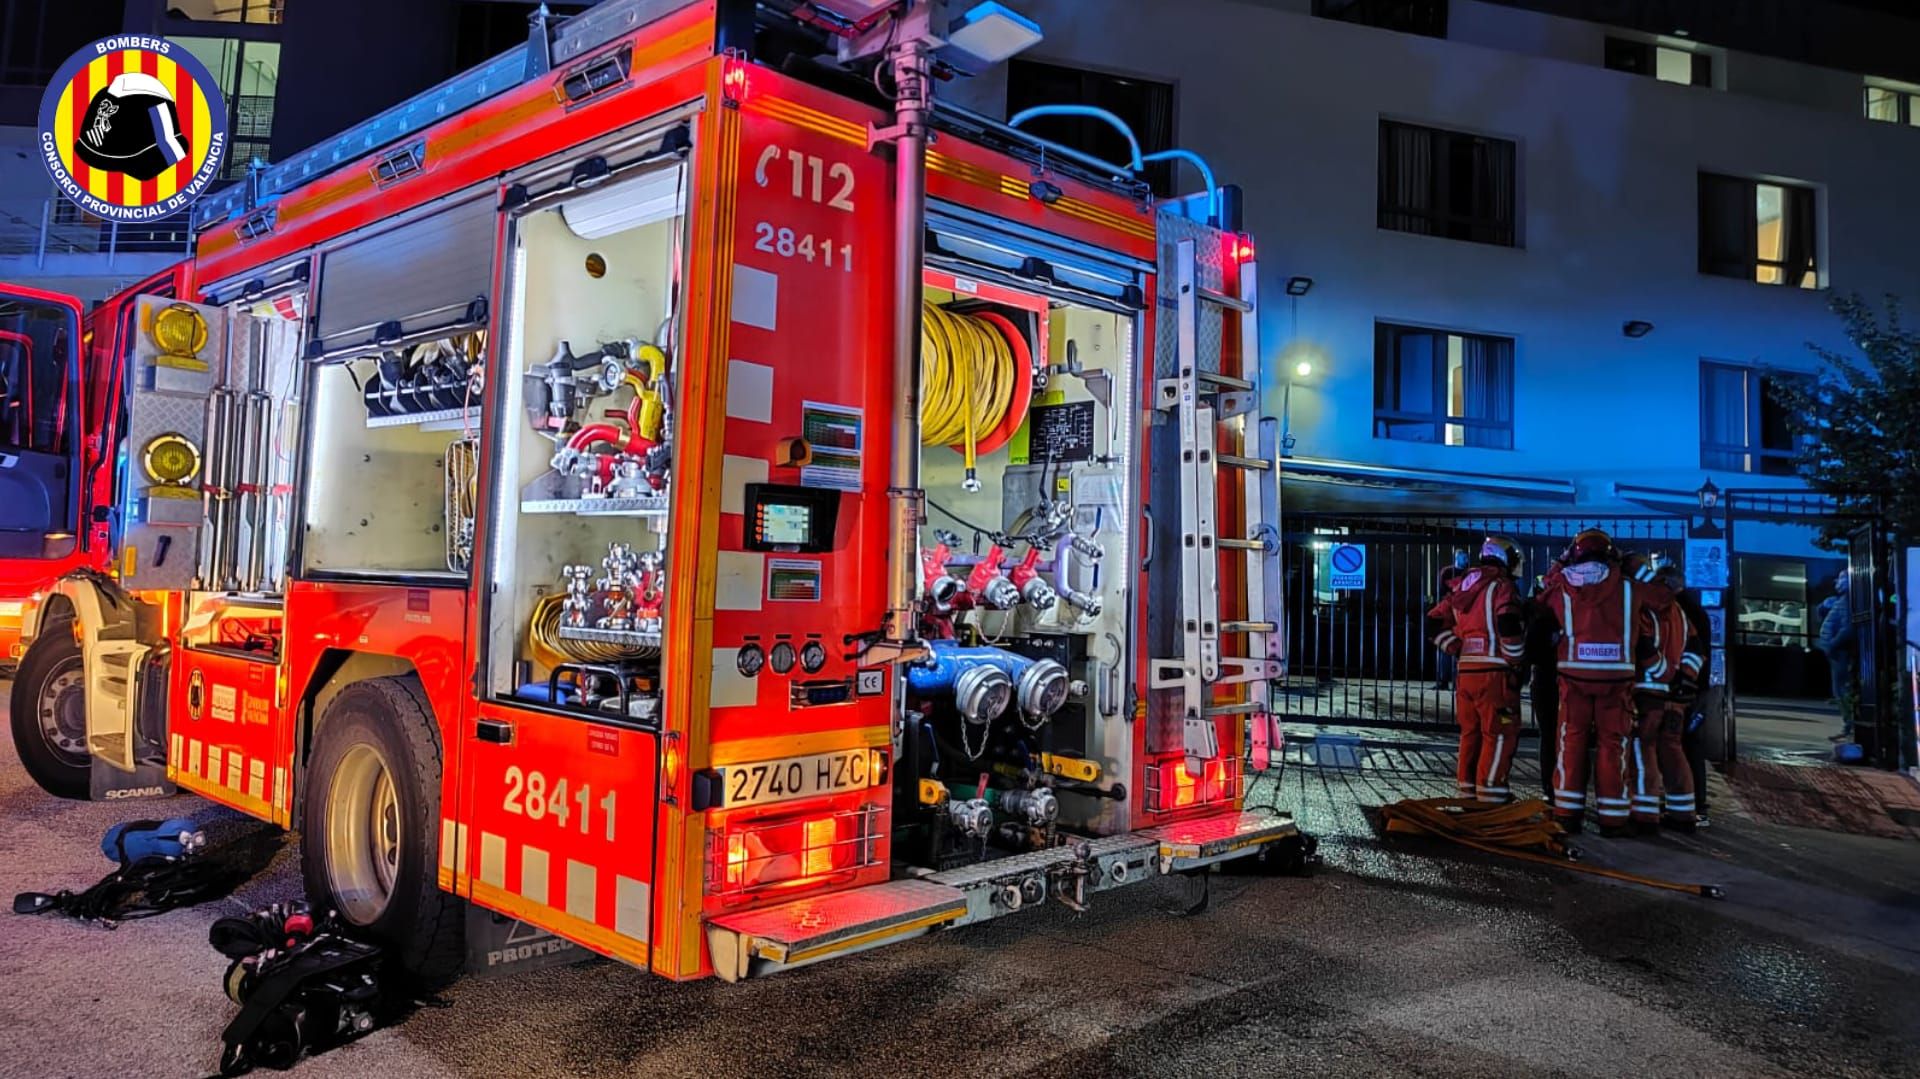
(1301, 369)
(1709, 498)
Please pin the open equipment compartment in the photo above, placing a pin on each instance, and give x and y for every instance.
(585, 447)
(1024, 568)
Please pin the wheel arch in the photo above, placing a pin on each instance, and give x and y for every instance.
(334, 671)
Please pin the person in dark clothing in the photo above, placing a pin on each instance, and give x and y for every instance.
(1541, 662)
(1689, 602)
(1446, 663)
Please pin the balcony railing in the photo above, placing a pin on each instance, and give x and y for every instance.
(55, 226)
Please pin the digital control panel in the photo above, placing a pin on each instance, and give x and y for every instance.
(787, 518)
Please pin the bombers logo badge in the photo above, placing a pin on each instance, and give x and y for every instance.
(133, 128)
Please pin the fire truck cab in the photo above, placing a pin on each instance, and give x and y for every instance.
(659, 488)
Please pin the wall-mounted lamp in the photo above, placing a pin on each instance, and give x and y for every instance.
(1299, 286)
(1637, 328)
(1303, 369)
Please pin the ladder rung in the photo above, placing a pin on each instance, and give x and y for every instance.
(1229, 381)
(1248, 627)
(1252, 464)
(1241, 709)
(1230, 302)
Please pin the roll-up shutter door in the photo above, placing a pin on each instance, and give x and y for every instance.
(421, 275)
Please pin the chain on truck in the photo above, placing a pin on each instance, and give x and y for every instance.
(679, 486)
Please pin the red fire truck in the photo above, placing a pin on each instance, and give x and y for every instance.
(679, 487)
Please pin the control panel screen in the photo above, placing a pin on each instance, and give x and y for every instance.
(787, 518)
(785, 525)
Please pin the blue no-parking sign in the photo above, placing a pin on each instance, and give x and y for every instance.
(1349, 564)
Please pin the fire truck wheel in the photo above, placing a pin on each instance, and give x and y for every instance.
(370, 824)
(49, 714)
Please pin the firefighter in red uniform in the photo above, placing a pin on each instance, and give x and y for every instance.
(1481, 622)
(1605, 641)
(1678, 798)
(1674, 647)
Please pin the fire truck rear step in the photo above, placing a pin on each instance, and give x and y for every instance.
(803, 931)
(1199, 843)
(1010, 884)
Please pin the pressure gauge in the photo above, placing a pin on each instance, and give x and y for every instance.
(782, 657)
(812, 657)
(750, 660)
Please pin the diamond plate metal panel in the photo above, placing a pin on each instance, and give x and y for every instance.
(796, 930)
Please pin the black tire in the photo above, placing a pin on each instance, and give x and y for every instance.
(383, 722)
(48, 700)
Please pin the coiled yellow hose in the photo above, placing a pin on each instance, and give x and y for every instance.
(551, 649)
(967, 374)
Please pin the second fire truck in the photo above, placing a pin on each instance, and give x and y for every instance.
(677, 487)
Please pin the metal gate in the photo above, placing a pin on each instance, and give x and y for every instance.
(1357, 654)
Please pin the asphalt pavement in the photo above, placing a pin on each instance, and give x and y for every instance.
(1393, 958)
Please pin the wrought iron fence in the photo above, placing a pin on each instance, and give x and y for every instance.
(1359, 656)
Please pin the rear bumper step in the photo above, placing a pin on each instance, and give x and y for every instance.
(1200, 843)
(803, 931)
(820, 927)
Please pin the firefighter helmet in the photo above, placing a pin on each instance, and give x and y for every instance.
(1501, 550)
(1591, 545)
(132, 126)
(1638, 565)
(1669, 573)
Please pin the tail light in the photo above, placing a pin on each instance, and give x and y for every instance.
(791, 851)
(1171, 786)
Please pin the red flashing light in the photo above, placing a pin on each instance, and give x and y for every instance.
(1243, 250)
(734, 81)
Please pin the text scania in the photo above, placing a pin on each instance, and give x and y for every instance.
(99, 208)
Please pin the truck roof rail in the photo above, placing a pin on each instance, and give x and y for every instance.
(546, 46)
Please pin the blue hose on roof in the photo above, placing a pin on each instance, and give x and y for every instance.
(1115, 122)
(1206, 177)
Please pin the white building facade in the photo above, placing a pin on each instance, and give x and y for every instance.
(1558, 283)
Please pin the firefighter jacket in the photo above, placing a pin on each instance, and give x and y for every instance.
(1605, 624)
(1481, 621)
(1676, 667)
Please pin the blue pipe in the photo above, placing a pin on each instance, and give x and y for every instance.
(1206, 177)
(1118, 124)
(936, 675)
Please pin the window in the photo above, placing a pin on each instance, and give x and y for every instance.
(1144, 105)
(1446, 183)
(249, 75)
(1758, 231)
(1435, 386)
(1664, 62)
(254, 11)
(1773, 603)
(1743, 423)
(1427, 17)
(1893, 104)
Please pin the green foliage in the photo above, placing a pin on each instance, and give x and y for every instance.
(1860, 418)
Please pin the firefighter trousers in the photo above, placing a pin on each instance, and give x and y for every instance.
(1676, 769)
(1486, 704)
(1644, 771)
(1600, 714)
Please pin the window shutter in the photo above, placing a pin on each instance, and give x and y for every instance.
(420, 275)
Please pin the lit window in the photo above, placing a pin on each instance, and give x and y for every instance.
(1668, 63)
(1759, 231)
(254, 11)
(1893, 104)
(248, 73)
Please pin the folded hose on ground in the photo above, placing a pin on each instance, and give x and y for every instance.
(1520, 830)
(967, 381)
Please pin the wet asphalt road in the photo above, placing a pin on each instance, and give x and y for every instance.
(1389, 960)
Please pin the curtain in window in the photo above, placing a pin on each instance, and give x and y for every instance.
(1723, 417)
(1406, 178)
(1728, 229)
(1800, 236)
(1487, 364)
(1405, 381)
(1493, 173)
